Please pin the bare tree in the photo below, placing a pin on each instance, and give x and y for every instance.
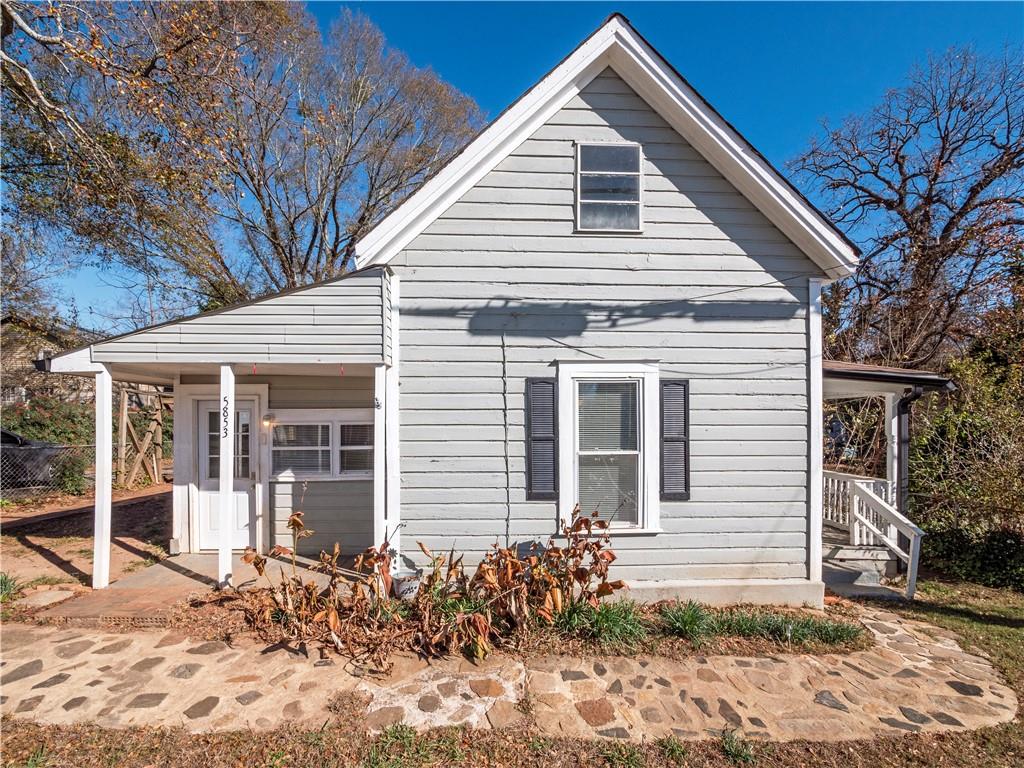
(315, 140)
(931, 181)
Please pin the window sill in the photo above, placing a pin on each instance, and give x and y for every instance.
(616, 532)
(578, 231)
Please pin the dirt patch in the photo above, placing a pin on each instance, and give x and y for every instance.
(211, 616)
(59, 550)
(57, 503)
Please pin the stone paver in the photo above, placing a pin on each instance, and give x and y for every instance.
(43, 598)
(915, 679)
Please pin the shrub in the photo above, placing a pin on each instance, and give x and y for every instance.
(784, 627)
(736, 748)
(9, 586)
(691, 621)
(696, 623)
(672, 749)
(69, 472)
(994, 558)
(617, 624)
(453, 610)
(967, 473)
(52, 420)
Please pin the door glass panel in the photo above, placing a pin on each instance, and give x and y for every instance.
(243, 444)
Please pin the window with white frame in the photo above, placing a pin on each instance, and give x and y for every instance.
(609, 180)
(301, 449)
(322, 445)
(611, 463)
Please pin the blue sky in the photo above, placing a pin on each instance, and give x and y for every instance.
(774, 70)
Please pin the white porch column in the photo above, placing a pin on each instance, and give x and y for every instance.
(815, 486)
(227, 475)
(379, 461)
(892, 453)
(892, 448)
(104, 477)
(392, 444)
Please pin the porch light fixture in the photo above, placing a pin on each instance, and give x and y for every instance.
(268, 419)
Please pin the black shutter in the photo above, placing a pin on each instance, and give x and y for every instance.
(675, 440)
(541, 440)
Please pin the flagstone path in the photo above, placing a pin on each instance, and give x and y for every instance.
(916, 678)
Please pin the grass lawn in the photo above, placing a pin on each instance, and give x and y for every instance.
(987, 620)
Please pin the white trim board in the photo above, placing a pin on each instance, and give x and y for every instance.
(617, 45)
(649, 477)
(815, 440)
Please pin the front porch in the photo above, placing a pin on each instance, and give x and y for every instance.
(304, 438)
(282, 405)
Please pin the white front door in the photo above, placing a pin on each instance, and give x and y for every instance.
(246, 467)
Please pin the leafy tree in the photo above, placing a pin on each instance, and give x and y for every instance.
(213, 151)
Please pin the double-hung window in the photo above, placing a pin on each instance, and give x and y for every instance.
(609, 180)
(608, 450)
(322, 444)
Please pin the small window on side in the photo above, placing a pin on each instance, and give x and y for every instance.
(608, 187)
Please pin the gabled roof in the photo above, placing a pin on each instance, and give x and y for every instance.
(618, 45)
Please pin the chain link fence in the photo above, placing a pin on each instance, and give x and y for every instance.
(28, 471)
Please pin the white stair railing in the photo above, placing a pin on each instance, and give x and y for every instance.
(839, 498)
(860, 505)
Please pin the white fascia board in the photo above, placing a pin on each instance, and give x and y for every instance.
(645, 71)
(488, 149)
(617, 45)
(77, 361)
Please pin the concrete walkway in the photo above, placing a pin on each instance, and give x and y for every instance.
(915, 679)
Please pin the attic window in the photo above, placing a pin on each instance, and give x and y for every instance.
(608, 184)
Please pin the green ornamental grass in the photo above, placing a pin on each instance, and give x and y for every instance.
(697, 624)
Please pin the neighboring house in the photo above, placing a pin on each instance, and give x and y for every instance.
(23, 340)
(609, 297)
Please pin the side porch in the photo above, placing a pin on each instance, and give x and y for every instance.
(866, 531)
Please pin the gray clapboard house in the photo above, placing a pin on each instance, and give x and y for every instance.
(608, 298)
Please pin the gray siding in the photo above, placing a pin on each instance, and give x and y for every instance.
(305, 391)
(336, 511)
(336, 322)
(499, 287)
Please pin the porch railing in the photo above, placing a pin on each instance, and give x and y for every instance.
(861, 506)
